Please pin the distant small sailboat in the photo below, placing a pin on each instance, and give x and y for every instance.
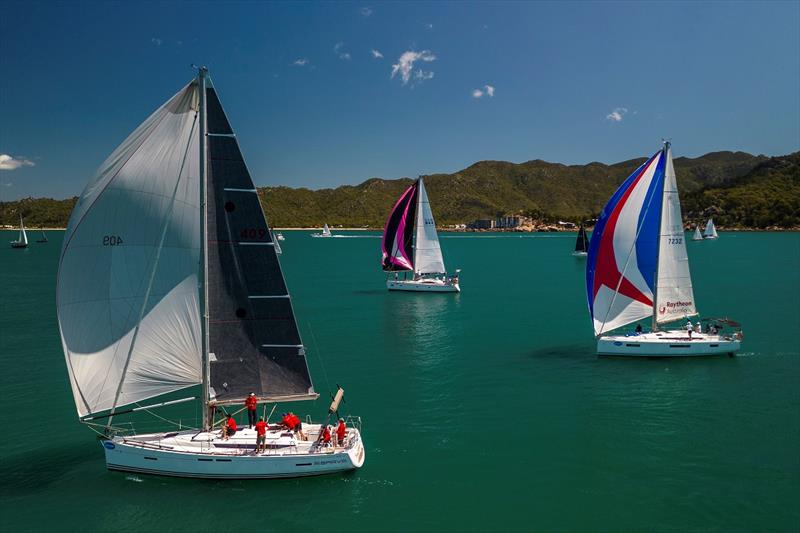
(410, 243)
(697, 235)
(22, 240)
(276, 244)
(711, 231)
(326, 232)
(280, 237)
(638, 268)
(44, 236)
(581, 243)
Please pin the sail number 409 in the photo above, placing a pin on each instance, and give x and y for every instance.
(112, 240)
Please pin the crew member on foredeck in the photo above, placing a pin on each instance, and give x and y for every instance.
(689, 328)
(252, 404)
(326, 436)
(230, 428)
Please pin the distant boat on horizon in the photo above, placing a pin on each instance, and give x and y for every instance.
(711, 231)
(638, 268)
(44, 236)
(326, 232)
(697, 235)
(581, 243)
(410, 243)
(22, 240)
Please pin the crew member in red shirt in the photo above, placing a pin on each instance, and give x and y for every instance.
(230, 427)
(252, 404)
(326, 436)
(261, 435)
(341, 431)
(289, 420)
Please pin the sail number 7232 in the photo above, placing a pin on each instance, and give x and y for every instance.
(112, 240)
(677, 240)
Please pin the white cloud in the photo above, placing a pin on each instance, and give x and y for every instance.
(338, 50)
(376, 54)
(488, 90)
(366, 11)
(156, 41)
(617, 115)
(303, 61)
(12, 163)
(405, 66)
(429, 26)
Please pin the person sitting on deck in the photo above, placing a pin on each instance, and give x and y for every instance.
(697, 327)
(638, 329)
(326, 436)
(261, 435)
(341, 431)
(252, 404)
(689, 328)
(230, 428)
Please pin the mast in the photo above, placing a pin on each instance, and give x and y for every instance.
(664, 152)
(201, 87)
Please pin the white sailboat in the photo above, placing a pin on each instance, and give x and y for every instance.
(711, 231)
(326, 232)
(168, 281)
(280, 237)
(411, 243)
(638, 268)
(22, 240)
(697, 235)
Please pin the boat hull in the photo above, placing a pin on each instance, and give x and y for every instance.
(130, 456)
(667, 344)
(580, 254)
(19, 245)
(421, 286)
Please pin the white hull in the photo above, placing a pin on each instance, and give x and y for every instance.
(580, 254)
(710, 237)
(423, 285)
(206, 455)
(674, 343)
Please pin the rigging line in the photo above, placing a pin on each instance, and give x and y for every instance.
(152, 273)
(630, 253)
(319, 356)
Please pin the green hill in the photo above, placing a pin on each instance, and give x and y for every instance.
(738, 189)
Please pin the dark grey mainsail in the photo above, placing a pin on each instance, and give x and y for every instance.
(582, 242)
(254, 343)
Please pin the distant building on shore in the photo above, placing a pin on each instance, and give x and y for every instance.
(482, 223)
(504, 222)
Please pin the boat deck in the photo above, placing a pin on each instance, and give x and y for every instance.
(278, 442)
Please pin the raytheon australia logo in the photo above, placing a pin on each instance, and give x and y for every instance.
(673, 307)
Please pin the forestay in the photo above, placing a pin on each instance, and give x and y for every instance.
(427, 252)
(127, 297)
(674, 295)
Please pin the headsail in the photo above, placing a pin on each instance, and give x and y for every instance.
(396, 245)
(126, 297)
(621, 265)
(427, 252)
(711, 231)
(674, 295)
(23, 236)
(254, 342)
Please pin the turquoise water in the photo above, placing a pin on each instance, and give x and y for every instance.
(483, 411)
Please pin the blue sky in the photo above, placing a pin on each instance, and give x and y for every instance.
(313, 106)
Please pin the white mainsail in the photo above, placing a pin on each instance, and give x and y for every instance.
(711, 231)
(326, 231)
(23, 237)
(427, 252)
(127, 293)
(697, 235)
(674, 295)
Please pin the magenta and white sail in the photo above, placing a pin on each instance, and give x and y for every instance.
(398, 233)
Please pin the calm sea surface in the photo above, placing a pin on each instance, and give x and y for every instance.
(484, 411)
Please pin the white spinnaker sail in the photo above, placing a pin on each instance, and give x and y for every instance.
(23, 237)
(711, 231)
(427, 253)
(127, 293)
(674, 295)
